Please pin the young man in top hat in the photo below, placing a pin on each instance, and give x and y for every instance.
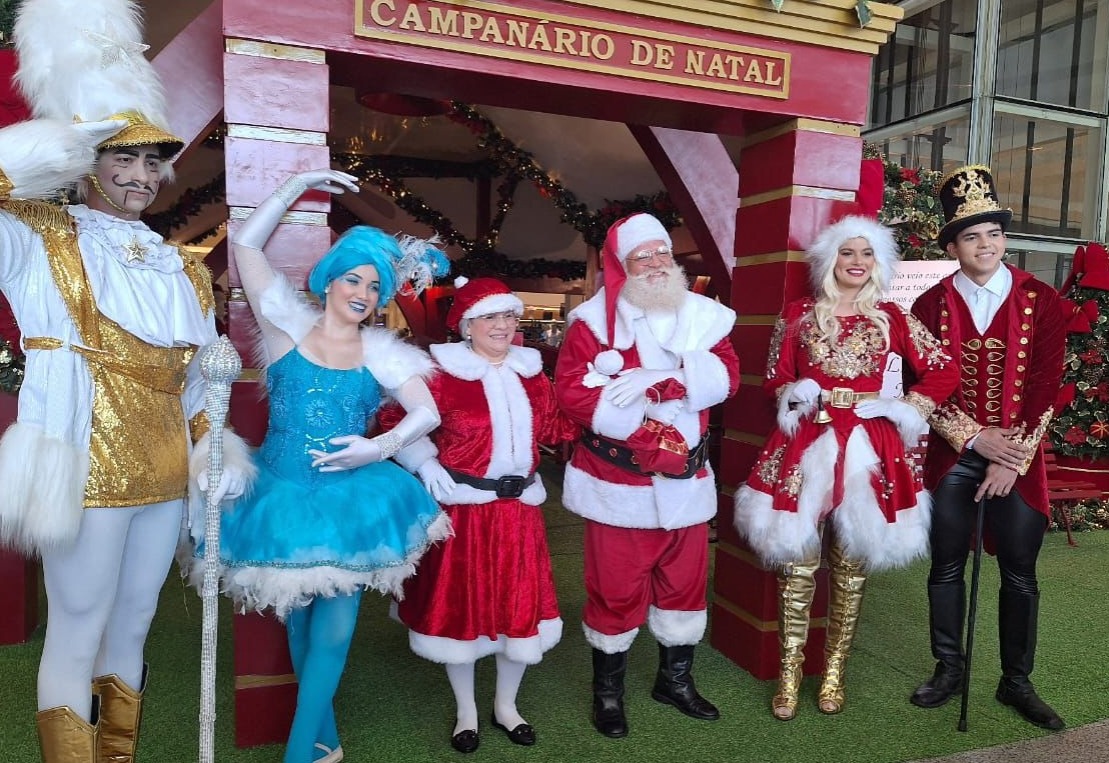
(1005, 329)
(642, 363)
(95, 470)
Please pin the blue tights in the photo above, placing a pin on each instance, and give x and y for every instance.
(319, 639)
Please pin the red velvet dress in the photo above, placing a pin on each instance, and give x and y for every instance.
(855, 470)
(490, 587)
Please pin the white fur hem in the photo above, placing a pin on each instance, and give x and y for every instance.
(42, 498)
(690, 501)
(528, 651)
(236, 455)
(614, 644)
(672, 627)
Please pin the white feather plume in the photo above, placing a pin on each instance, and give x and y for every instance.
(85, 59)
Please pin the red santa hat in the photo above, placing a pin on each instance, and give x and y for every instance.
(480, 296)
(623, 236)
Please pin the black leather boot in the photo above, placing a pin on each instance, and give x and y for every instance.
(608, 693)
(946, 607)
(674, 683)
(1017, 622)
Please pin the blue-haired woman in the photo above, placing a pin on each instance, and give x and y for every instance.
(330, 515)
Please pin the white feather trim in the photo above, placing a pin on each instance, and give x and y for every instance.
(84, 58)
(781, 537)
(43, 493)
(288, 310)
(674, 627)
(237, 454)
(40, 156)
(862, 528)
(528, 651)
(615, 644)
(391, 360)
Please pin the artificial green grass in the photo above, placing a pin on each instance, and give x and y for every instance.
(394, 706)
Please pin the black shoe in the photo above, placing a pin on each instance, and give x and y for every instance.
(693, 705)
(523, 734)
(1023, 698)
(937, 690)
(466, 740)
(674, 683)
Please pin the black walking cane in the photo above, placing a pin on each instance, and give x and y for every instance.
(972, 611)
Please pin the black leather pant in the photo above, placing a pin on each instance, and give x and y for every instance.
(1017, 531)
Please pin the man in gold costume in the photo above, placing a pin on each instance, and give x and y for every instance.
(95, 469)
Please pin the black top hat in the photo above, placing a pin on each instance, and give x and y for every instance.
(968, 197)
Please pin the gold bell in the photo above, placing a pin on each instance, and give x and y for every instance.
(822, 416)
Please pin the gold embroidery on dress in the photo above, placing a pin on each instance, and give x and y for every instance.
(775, 350)
(771, 467)
(927, 346)
(857, 351)
(792, 483)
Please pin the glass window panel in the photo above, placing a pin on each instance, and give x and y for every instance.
(1049, 267)
(1041, 170)
(927, 64)
(941, 146)
(1049, 52)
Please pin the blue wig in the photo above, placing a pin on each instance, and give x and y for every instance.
(360, 245)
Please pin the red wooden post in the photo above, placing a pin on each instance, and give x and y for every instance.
(19, 595)
(792, 176)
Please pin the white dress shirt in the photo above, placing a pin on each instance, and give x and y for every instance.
(984, 301)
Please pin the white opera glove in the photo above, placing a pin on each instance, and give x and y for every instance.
(232, 483)
(666, 411)
(804, 391)
(436, 479)
(797, 400)
(257, 229)
(356, 451)
(910, 424)
(632, 385)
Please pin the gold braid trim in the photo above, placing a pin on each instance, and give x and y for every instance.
(954, 425)
(923, 404)
(1032, 441)
(199, 426)
(201, 279)
(6, 186)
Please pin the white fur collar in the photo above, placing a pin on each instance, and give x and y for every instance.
(701, 322)
(458, 360)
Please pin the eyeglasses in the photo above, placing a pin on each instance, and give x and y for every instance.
(665, 256)
(508, 316)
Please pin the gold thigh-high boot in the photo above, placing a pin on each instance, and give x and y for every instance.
(120, 715)
(847, 578)
(65, 737)
(796, 585)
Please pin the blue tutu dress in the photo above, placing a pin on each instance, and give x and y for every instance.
(302, 533)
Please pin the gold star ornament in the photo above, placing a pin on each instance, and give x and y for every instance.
(136, 252)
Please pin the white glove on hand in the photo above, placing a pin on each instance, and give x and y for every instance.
(910, 424)
(329, 180)
(632, 385)
(804, 391)
(666, 411)
(232, 483)
(436, 480)
(358, 451)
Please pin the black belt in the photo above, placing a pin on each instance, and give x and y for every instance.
(621, 455)
(508, 486)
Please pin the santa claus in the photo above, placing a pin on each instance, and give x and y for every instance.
(642, 363)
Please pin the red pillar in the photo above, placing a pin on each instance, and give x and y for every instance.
(791, 177)
(277, 120)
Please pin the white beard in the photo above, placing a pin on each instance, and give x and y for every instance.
(668, 294)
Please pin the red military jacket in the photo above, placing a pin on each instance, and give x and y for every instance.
(1009, 375)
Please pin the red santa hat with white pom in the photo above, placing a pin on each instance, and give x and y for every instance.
(480, 296)
(623, 236)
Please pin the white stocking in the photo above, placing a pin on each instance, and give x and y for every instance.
(461, 677)
(101, 595)
(509, 677)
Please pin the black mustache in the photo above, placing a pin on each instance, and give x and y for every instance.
(134, 184)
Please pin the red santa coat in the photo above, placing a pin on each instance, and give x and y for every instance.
(1020, 355)
(601, 491)
(854, 471)
(489, 588)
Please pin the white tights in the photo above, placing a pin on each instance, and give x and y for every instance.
(101, 595)
(509, 677)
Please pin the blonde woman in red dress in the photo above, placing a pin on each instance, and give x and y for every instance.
(839, 454)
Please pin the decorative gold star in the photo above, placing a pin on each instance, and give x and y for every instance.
(136, 252)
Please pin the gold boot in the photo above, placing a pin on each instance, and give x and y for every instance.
(120, 715)
(65, 737)
(847, 580)
(796, 585)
